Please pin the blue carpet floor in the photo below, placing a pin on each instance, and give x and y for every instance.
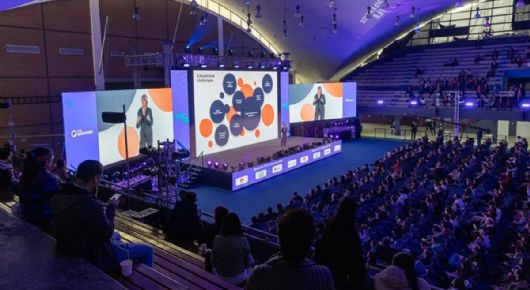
(250, 201)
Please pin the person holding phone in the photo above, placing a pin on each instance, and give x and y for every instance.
(84, 226)
(144, 122)
(319, 102)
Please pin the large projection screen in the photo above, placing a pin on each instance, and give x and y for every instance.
(234, 109)
(322, 101)
(88, 137)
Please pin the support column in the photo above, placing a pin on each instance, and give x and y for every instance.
(168, 62)
(220, 36)
(97, 48)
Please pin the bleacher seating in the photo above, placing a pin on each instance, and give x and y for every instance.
(174, 267)
(388, 80)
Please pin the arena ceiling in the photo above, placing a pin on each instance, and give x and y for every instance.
(317, 52)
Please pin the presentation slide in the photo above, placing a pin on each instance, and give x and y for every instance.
(149, 114)
(323, 101)
(234, 109)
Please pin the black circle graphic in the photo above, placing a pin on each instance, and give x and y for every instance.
(229, 84)
(221, 135)
(217, 111)
(267, 83)
(236, 125)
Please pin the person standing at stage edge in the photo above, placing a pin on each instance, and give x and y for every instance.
(413, 130)
(284, 131)
(319, 103)
(144, 121)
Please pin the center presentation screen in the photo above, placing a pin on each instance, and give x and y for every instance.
(234, 109)
(323, 101)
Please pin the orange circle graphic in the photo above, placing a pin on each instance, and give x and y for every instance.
(206, 128)
(267, 115)
(257, 133)
(133, 141)
(242, 132)
(247, 90)
(210, 144)
(162, 99)
(230, 114)
(307, 113)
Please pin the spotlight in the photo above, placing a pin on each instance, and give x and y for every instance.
(380, 102)
(136, 14)
(186, 65)
(230, 52)
(250, 54)
(262, 66)
(458, 3)
(525, 105)
(469, 104)
(520, 4)
(236, 66)
(241, 165)
(216, 51)
(262, 54)
(187, 49)
(487, 22)
(369, 12)
(258, 12)
(250, 67)
(225, 166)
(204, 66)
(221, 65)
(413, 103)
(477, 14)
(216, 164)
(193, 5)
(209, 163)
(201, 50)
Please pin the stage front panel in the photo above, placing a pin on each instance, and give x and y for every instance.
(234, 109)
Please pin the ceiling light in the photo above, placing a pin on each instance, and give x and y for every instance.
(136, 14)
(193, 5)
(458, 3)
(520, 4)
(487, 22)
(412, 12)
(477, 14)
(297, 13)
(331, 3)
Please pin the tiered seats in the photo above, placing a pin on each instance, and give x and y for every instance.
(388, 80)
(174, 268)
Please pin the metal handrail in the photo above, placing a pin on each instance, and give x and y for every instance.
(269, 237)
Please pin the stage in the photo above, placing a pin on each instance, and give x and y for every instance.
(238, 168)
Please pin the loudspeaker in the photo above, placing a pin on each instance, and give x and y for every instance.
(113, 117)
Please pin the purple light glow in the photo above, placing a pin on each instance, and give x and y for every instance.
(380, 102)
(525, 105)
(470, 104)
(413, 103)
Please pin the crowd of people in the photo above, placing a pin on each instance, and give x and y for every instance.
(441, 92)
(449, 214)
(460, 211)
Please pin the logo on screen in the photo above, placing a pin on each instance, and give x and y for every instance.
(316, 155)
(242, 180)
(327, 151)
(291, 163)
(277, 168)
(304, 159)
(260, 174)
(337, 147)
(80, 132)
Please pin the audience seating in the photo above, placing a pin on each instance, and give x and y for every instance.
(175, 267)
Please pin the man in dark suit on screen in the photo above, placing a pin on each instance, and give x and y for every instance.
(319, 102)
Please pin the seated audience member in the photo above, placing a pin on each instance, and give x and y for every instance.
(38, 186)
(84, 229)
(291, 269)
(60, 171)
(5, 185)
(231, 257)
(340, 248)
(214, 229)
(401, 275)
(184, 222)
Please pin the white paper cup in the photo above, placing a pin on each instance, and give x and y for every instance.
(126, 267)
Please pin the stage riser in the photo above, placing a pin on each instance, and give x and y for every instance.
(246, 177)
